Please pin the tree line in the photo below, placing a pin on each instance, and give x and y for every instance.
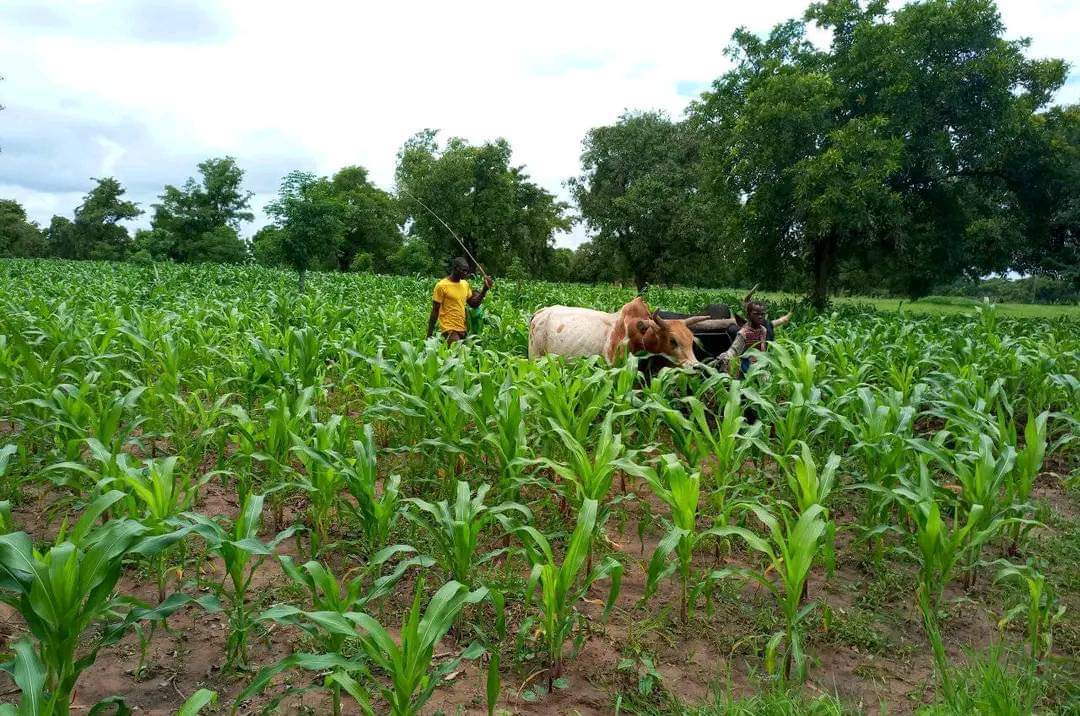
(917, 149)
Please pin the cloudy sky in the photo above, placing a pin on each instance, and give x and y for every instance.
(144, 89)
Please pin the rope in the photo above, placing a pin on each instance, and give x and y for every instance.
(439, 219)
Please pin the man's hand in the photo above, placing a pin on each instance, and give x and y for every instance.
(488, 283)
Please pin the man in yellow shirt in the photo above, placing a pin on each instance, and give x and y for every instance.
(448, 302)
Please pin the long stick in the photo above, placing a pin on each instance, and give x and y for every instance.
(439, 219)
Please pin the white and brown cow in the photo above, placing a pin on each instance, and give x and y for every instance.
(576, 332)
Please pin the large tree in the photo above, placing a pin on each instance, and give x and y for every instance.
(201, 220)
(637, 194)
(308, 218)
(371, 220)
(19, 238)
(893, 146)
(97, 232)
(492, 206)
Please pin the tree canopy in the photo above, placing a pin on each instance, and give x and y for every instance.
(492, 206)
(200, 221)
(97, 232)
(910, 150)
(371, 220)
(901, 145)
(19, 238)
(308, 218)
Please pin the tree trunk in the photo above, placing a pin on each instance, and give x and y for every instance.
(302, 273)
(824, 256)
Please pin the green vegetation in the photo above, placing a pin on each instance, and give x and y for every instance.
(288, 473)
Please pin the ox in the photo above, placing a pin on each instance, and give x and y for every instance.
(575, 332)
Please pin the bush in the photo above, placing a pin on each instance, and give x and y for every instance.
(362, 263)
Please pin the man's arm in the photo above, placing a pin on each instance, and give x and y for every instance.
(783, 320)
(475, 299)
(738, 347)
(432, 318)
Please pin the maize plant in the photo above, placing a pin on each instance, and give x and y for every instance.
(588, 476)
(334, 598)
(1043, 610)
(7, 490)
(457, 529)
(983, 486)
(879, 427)
(790, 550)
(1029, 461)
(158, 497)
(572, 398)
(507, 441)
(241, 552)
(66, 598)
(405, 665)
(810, 487)
(941, 547)
(559, 587)
(680, 490)
(376, 510)
(322, 479)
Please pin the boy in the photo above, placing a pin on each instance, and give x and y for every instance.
(755, 333)
(448, 301)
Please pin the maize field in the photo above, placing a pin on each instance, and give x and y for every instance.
(224, 496)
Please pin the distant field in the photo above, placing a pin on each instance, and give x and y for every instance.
(1019, 310)
(942, 305)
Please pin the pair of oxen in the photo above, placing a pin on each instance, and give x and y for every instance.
(679, 339)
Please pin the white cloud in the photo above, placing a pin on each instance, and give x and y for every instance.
(146, 90)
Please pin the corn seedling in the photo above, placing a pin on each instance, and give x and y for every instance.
(241, 551)
(790, 550)
(457, 528)
(559, 587)
(66, 593)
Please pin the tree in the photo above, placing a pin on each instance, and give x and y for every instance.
(96, 232)
(201, 220)
(560, 267)
(412, 258)
(598, 261)
(1048, 174)
(60, 238)
(19, 238)
(308, 216)
(371, 219)
(636, 192)
(492, 206)
(266, 246)
(892, 147)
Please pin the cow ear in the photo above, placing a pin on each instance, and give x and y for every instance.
(642, 326)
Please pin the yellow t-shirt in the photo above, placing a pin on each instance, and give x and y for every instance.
(451, 296)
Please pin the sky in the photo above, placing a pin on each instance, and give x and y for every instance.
(143, 90)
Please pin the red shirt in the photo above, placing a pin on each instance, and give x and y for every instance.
(754, 337)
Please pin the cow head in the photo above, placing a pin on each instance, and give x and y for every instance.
(667, 337)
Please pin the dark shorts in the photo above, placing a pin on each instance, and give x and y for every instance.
(453, 336)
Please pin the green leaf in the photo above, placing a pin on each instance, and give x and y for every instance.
(197, 702)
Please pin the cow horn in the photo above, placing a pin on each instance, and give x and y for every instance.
(694, 320)
(660, 322)
(751, 294)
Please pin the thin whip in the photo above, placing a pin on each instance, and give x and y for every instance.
(439, 218)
